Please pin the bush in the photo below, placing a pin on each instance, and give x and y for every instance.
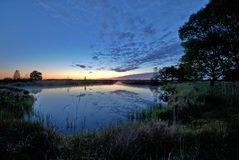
(25, 140)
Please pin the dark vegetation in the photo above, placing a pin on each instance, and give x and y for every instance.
(211, 44)
(141, 82)
(35, 75)
(20, 139)
(14, 103)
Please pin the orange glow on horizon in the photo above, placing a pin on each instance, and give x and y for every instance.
(66, 75)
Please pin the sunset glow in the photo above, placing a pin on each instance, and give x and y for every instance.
(93, 39)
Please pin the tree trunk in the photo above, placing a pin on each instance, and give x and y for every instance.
(212, 82)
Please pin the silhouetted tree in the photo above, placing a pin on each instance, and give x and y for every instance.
(181, 73)
(167, 73)
(35, 75)
(172, 72)
(211, 40)
(154, 78)
(17, 75)
(155, 73)
(228, 74)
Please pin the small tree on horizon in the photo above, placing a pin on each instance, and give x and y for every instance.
(17, 75)
(35, 75)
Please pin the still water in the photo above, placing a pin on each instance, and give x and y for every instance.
(73, 109)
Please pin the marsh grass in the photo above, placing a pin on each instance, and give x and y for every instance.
(14, 103)
(152, 113)
(195, 101)
(25, 140)
(156, 140)
(20, 139)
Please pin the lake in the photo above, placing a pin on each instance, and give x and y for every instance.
(76, 108)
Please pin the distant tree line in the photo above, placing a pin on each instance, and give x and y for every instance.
(210, 40)
(171, 73)
(34, 75)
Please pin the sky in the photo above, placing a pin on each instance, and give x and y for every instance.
(91, 38)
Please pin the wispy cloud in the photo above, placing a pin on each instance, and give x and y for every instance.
(127, 34)
(45, 4)
(79, 65)
(132, 56)
(124, 68)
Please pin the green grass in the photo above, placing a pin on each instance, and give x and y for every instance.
(14, 103)
(199, 101)
(153, 113)
(20, 139)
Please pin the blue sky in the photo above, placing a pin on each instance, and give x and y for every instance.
(92, 38)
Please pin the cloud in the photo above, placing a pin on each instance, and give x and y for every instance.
(95, 57)
(81, 66)
(149, 30)
(78, 65)
(101, 68)
(167, 35)
(126, 35)
(44, 4)
(124, 68)
(135, 40)
(132, 56)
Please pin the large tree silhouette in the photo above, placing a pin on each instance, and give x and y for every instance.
(211, 40)
(35, 75)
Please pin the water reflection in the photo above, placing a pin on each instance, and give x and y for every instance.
(35, 91)
(78, 108)
(156, 93)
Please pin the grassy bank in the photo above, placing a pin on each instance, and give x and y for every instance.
(198, 101)
(14, 103)
(199, 123)
(20, 139)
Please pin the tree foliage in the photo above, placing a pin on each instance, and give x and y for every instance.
(167, 73)
(171, 73)
(35, 75)
(17, 75)
(211, 41)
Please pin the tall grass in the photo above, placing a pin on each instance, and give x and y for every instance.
(20, 139)
(152, 113)
(156, 140)
(25, 140)
(14, 103)
(198, 100)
